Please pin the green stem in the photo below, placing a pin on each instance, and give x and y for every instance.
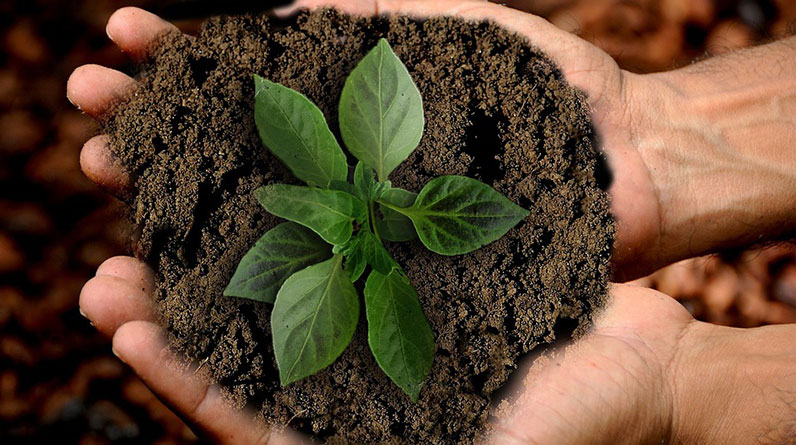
(401, 210)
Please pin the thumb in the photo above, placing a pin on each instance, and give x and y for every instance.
(142, 346)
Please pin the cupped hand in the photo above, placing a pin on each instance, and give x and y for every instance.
(646, 370)
(118, 300)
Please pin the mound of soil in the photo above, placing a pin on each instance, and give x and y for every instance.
(496, 109)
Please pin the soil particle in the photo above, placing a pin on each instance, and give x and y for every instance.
(496, 109)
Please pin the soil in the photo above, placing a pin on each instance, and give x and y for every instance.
(496, 109)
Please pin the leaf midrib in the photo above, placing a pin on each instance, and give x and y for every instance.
(319, 204)
(381, 118)
(284, 264)
(398, 327)
(315, 315)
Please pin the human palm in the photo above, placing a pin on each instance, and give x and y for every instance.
(599, 387)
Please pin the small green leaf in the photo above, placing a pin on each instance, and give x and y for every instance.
(348, 188)
(363, 249)
(394, 226)
(278, 254)
(398, 333)
(355, 261)
(381, 111)
(379, 189)
(294, 130)
(399, 197)
(374, 253)
(456, 214)
(329, 213)
(363, 179)
(313, 320)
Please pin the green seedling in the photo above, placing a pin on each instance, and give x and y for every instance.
(306, 267)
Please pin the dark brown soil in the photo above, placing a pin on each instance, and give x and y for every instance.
(496, 109)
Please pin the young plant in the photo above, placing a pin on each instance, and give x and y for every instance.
(306, 267)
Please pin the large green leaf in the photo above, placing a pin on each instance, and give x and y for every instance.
(381, 111)
(278, 254)
(393, 226)
(294, 129)
(313, 320)
(456, 214)
(398, 333)
(329, 213)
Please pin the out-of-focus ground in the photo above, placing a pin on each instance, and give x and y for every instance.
(58, 379)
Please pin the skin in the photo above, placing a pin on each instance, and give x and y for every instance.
(702, 160)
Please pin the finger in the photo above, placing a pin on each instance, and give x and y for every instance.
(131, 269)
(355, 7)
(136, 31)
(142, 346)
(109, 302)
(103, 168)
(629, 310)
(94, 89)
(574, 56)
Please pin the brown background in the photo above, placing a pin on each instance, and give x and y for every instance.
(58, 380)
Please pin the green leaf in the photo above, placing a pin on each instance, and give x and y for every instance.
(379, 189)
(329, 213)
(346, 187)
(355, 261)
(398, 333)
(381, 111)
(394, 226)
(374, 253)
(294, 130)
(363, 249)
(313, 320)
(278, 254)
(399, 197)
(455, 215)
(363, 179)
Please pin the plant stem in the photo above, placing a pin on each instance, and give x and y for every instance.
(401, 210)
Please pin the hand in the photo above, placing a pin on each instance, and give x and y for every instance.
(118, 300)
(611, 92)
(700, 156)
(647, 372)
(627, 353)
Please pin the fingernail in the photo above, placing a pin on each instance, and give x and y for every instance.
(116, 353)
(108, 32)
(80, 309)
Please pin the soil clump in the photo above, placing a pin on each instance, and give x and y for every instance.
(496, 109)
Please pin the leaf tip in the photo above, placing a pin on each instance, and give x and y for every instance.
(414, 394)
(285, 380)
(228, 292)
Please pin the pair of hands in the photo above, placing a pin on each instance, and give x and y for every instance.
(646, 372)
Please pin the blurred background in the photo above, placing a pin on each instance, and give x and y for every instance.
(58, 378)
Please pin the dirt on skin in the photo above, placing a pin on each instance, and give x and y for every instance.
(496, 109)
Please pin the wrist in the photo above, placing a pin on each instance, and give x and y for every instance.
(721, 158)
(734, 386)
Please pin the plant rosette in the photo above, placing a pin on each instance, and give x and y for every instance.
(337, 224)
